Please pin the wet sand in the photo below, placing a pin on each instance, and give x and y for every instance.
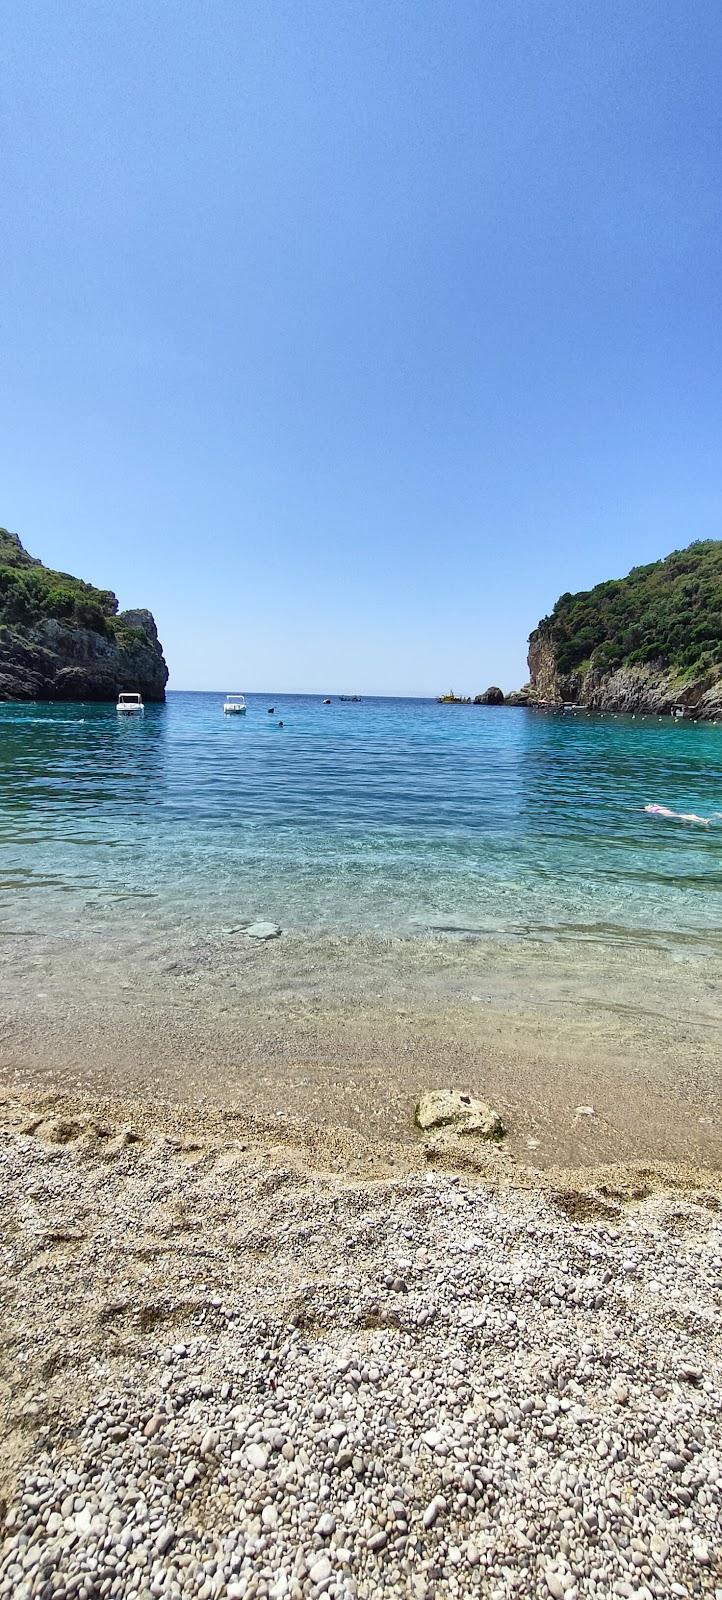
(315, 1037)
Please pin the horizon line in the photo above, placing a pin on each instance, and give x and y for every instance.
(310, 694)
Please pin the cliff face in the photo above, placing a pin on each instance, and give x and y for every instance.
(62, 639)
(640, 688)
(544, 676)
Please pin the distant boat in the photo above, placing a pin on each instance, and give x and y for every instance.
(327, 702)
(234, 705)
(130, 705)
(348, 698)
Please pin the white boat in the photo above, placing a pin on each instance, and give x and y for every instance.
(234, 705)
(130, 705)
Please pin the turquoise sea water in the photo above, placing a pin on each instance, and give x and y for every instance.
(397, 816)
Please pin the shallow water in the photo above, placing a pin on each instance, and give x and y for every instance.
(393, 816)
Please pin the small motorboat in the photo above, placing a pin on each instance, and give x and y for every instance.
(234, 705)
(130, 705)
(327, 702)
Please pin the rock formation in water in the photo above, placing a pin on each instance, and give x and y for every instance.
(62, 639)
(491, 697)
(650, 642)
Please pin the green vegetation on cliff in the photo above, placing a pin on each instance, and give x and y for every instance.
(669, 612)
(29, 592)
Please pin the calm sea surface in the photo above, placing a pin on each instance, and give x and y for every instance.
(397, 816)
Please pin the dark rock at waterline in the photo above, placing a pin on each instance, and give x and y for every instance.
(491, 697)
(63, 639)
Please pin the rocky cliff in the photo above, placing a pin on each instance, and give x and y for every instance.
(639, 688)
(649, 642)
(62, 639)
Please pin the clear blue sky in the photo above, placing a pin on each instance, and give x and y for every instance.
(346, 334)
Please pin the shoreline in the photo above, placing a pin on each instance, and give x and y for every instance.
(98, 1127)
(345, 1033)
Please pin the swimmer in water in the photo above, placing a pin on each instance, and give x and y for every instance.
(678, 816)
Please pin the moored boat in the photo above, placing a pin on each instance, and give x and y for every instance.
(130, 705)
(234, 705)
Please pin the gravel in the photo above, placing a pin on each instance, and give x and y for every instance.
(227, 1376)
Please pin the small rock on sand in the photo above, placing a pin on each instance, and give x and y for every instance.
(263, 930)
(452, 1108)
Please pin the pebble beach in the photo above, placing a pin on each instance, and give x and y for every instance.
(232, 1368)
